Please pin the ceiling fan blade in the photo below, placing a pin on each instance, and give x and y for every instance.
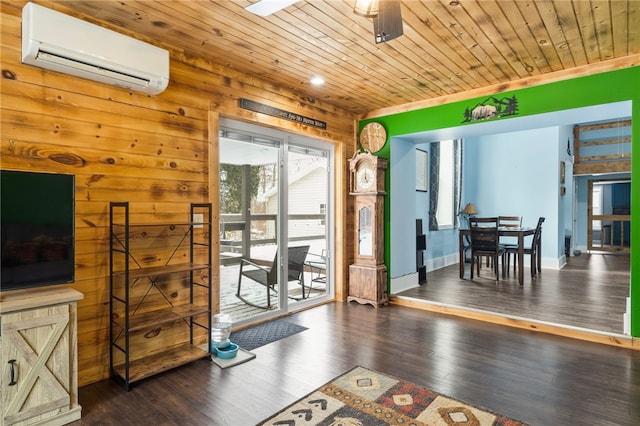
(267, 7)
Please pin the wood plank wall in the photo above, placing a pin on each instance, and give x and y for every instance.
(618, 157)
(159, 152)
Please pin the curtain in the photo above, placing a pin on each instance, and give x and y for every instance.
(434, 183)
(457, 185)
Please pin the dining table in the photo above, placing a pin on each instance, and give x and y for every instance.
(520, 233)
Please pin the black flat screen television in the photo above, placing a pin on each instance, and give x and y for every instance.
(37, 229)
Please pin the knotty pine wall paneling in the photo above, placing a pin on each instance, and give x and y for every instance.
(158, 152)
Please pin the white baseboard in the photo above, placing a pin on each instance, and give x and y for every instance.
(442, 262)
(404, 282)
(626, 318)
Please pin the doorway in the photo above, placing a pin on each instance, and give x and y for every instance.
(276, 237)
(609, 215)
(444, 242)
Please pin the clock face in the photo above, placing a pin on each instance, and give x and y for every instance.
(365, 176)
(373, 137)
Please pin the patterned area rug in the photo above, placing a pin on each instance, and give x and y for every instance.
(363, 397)
(260, 335)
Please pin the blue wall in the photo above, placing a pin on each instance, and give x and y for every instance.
(403, 255)
(516, 171)
(516, 174)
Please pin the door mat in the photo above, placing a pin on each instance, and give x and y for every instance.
(268, 332)
(366, 397)
(241, 356)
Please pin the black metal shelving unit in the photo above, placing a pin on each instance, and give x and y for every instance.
(160, 292)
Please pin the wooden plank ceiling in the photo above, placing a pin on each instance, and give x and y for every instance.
(448, 46)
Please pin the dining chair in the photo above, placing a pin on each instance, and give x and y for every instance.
(510, 221)
(508, 242)
(485, 241)
(532, 251)
(507, 222)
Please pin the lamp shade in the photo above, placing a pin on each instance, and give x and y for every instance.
(469, 209)
(366, 8)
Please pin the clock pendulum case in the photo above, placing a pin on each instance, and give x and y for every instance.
(368, 274)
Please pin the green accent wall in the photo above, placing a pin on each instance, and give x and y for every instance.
(597, 89)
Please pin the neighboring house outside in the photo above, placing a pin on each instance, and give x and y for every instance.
(307, 196)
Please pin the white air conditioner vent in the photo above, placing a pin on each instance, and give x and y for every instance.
(62, 43)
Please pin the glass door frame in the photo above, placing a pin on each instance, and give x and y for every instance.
(306, 143)
(288, 140)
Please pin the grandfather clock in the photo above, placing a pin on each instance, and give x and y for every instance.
(368, 275)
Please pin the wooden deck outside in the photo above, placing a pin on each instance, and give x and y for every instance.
(242, 312)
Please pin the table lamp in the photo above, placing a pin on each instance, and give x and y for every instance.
(468, 211)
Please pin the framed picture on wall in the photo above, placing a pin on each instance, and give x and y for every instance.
(422, 170)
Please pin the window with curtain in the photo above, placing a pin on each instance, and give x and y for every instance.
(445, 176)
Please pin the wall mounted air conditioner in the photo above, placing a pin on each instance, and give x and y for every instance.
(60, 42)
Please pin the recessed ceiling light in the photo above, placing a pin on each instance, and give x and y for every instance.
(317, 80)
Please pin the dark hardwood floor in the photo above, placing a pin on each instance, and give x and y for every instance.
(588, 293)
(537, 378)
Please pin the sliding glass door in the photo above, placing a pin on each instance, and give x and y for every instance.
(275, 216)
(308, 218)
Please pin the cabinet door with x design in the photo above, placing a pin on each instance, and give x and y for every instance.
(38, 341)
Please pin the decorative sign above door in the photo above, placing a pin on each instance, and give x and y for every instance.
(280, 113)
(491, 107)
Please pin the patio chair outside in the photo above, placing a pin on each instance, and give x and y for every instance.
(268, 275)
(317, 264)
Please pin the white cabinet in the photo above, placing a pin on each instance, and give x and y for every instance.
(39, 356)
